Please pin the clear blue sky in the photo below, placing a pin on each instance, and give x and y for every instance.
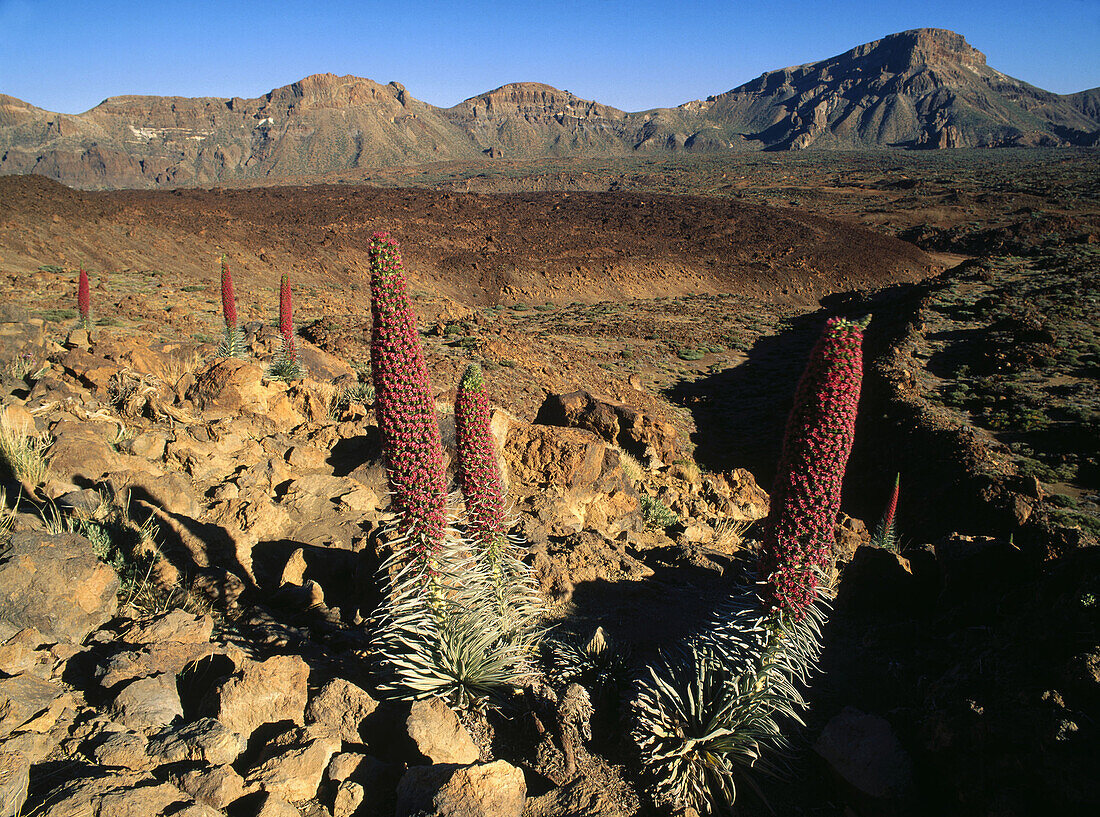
(69, 55)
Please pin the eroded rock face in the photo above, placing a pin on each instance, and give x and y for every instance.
(56, 585)
(438, 735)
(262, 692)
(863, 750)
(577, 481)
(615, 423)
(494, 789)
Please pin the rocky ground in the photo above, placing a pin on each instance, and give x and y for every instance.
(203, 544)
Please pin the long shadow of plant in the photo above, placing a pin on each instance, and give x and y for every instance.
(740, 413)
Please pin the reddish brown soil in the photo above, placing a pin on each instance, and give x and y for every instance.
(479, 249)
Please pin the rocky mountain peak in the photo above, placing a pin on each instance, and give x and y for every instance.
(920, 48)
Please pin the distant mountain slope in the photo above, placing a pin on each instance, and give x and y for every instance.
(319, 124)
(926, 88)
(922, 88)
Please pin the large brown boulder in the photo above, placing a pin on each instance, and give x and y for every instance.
(573, 480)
(495, 789)
(229, 387)
(616, 423)
(56, 585)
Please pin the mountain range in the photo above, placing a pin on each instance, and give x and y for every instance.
(925, 88)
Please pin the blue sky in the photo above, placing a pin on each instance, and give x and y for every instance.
(69, 55)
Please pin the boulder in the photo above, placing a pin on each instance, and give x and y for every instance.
(438, 734)
(15, 778)
(863, 751)
(147, 704)
(494, 789)
(262, 692)
(118, 795)
(614, 422)
(56, 585)
(295, 763)
(125, 750)
(168, 657)
(216, 786)
(574, 480)
(342, 706)
(177, 626)
(205, 740)
(229, 387)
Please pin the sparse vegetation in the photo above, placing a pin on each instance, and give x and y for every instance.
(23, 452)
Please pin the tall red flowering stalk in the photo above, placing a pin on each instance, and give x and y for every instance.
(805, 501)
(885, 535)
(286, 321)
(84, 300)
(229, 299)
(403, 403)
(478, 472)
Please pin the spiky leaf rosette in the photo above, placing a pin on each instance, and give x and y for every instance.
(403, 401)
(708, 716)
(84, 300)
(805, 500)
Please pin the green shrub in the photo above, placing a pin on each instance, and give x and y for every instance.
(656, 514)
(690, 354)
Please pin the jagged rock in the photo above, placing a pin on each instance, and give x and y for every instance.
(578, 798)
(349, 796)
(79, 455)
(56, 585)
(148, 703)
(198, 810)
(262, 692)
(575, 481)
(216, 787)
(438, 734)
(230, 387)
(15, 777)
(126, 750)
(176, 625)
(31, 704)
(494, 789)
(89, 369)
(34, 746)
(342, 706)
(206, 740)
(169, 657)
(584, 557)
(614, 422)
(306, 458)
(168, 490)
(275, 806)
(863, 750)
(295, 772)
(117, 795)
(20, 653)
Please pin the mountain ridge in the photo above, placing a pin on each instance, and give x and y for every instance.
(924, 88)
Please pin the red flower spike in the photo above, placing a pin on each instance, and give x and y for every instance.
(892, 508)
(84, 299)
(403, 400)
(229, 299)
(478, 472)
(805, 500)
(286, 322)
